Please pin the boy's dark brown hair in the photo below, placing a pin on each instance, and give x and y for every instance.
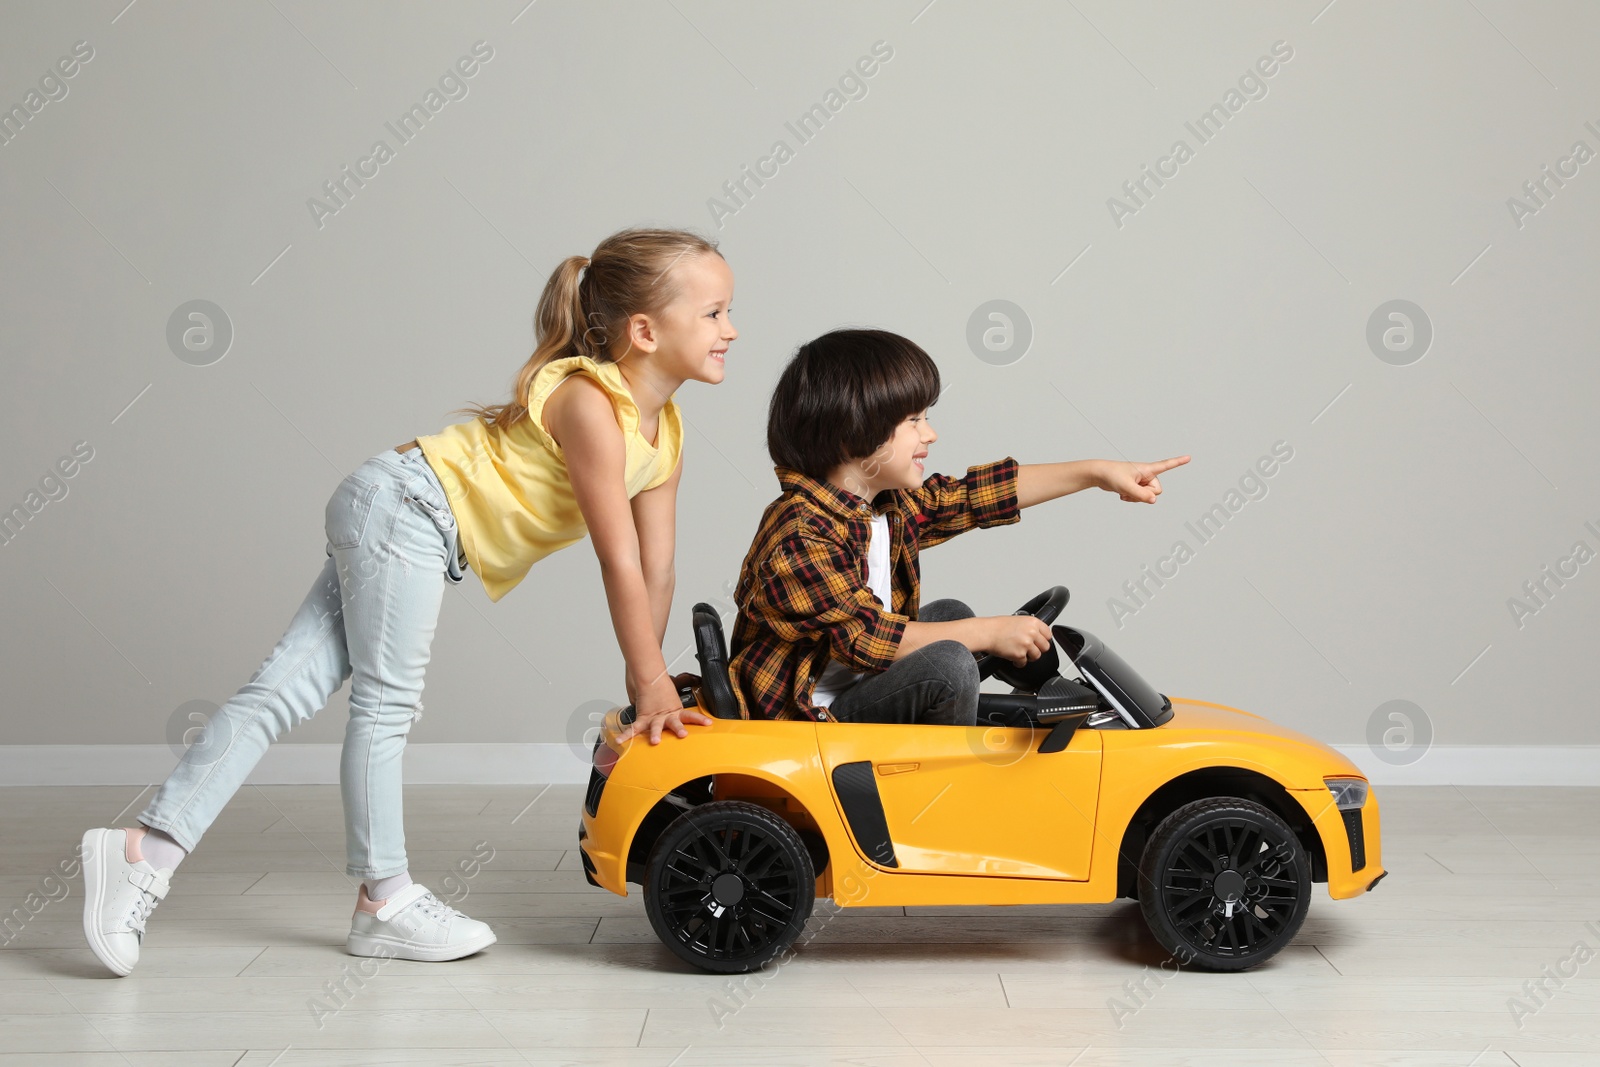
(842, 395)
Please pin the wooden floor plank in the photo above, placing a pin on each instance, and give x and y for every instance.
(1490, 893)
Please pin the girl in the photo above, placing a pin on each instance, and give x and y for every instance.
(647, 312)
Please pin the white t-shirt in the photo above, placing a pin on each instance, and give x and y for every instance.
(837, 677)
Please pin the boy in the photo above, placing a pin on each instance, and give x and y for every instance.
(829, 625)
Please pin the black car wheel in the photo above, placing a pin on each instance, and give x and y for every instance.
(1224, 884)
(729, 886)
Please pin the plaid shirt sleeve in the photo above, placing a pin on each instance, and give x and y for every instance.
(807, 586)
(944, 506)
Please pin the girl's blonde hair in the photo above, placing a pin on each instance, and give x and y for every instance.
(630, 272)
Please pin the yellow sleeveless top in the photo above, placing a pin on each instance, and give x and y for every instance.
(509, 489)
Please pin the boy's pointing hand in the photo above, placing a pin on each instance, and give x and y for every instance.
(1137, 482)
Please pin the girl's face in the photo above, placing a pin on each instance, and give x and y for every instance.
(691, 335)
(898, 464)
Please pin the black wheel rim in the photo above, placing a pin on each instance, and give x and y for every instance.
(729, 891)
(1231, 888)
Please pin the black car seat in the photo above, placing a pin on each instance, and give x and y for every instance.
(716, 685)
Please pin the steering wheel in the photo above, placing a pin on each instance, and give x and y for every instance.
(1044, 607)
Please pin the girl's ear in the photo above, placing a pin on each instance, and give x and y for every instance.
(641, 333)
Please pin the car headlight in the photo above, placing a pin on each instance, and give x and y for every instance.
(1349, 794)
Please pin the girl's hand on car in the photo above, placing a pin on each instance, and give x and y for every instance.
(1019, 638)
(1137, 482)
(659, 707)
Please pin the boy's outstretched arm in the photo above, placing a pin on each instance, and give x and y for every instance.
(1139, 482)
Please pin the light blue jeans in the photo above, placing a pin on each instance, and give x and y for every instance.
(370, 617)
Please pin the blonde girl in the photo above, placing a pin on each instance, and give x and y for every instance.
(626, 326)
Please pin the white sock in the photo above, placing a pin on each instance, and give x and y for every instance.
(161, 850)
(384, 888)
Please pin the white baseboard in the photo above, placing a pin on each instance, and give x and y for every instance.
(539, 763)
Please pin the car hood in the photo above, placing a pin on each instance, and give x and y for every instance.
(1216, 730)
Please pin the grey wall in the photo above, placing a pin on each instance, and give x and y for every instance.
(1228, 313)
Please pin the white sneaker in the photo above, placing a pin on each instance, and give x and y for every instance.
(118, 896)
(416, 925)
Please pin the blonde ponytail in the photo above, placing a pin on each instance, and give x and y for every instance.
(587, 301)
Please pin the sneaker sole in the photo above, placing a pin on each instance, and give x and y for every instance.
(397, 949)
(94, 896)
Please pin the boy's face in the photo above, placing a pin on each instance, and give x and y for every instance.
(897, 464)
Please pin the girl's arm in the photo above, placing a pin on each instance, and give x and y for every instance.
(1038, 482)
(584, 424)
(655, 517)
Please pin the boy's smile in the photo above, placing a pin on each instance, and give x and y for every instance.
(898, 464)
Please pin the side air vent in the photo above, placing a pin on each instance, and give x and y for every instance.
(863, 809)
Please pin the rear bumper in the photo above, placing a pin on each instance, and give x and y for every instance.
(605, 837)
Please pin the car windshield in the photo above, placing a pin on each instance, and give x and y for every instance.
(1127, 691)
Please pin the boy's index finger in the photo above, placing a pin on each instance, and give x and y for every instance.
(1167, 464)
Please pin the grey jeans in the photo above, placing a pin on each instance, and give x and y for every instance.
(936, 684)
(369, 617)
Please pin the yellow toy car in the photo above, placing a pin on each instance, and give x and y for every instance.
(1070, 790)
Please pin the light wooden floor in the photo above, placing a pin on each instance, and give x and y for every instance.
(1487, 888)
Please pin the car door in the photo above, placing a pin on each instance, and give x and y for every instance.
(966, 800)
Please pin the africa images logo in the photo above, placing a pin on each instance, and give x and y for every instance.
(453, 85)
(737, 192)
(1252, 85)
(1252, 485)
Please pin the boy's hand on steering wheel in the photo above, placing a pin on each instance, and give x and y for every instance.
(659, 707)
(1019, 638)
(1137, 482)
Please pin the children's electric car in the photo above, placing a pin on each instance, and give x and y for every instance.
(1069, 790)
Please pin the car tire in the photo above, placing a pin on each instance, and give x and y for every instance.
(729, 886)
(1224, 884)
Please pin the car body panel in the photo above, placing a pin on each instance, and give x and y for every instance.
(976, 815)
(1344, 883)
(782, 754)
(971, 800)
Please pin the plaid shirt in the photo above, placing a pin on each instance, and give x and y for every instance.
(802, 592)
